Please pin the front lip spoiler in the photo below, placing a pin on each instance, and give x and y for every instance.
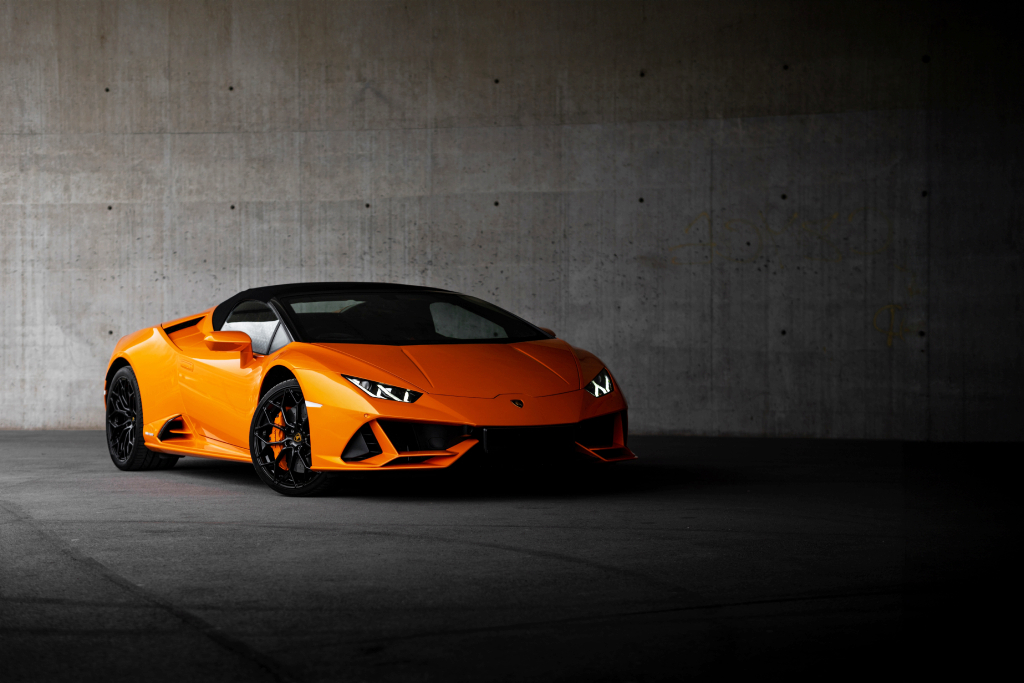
(497, 442)
(442, 459)
(607, 453)
(431, 459)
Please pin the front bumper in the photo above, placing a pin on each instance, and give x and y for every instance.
(497, 426)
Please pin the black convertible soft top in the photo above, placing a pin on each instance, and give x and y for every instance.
(265, 294)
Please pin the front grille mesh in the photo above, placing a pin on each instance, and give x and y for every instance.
(512, 440)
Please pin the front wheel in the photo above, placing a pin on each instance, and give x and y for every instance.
(124, 426)
(279, 442)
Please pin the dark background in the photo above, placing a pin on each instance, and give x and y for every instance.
(828, 242)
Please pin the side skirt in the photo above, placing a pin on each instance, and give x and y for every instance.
(203, 448)
(186, 442)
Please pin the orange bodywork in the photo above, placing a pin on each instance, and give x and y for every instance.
(200, 387)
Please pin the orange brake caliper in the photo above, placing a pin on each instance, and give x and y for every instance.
(277, 434)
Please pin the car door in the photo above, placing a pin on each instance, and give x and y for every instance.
(221, 389)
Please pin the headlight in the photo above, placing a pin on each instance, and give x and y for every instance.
(600, 385)
(384, 391)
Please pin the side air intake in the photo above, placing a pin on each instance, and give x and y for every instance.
(174, 429)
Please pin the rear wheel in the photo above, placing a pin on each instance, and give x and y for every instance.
(124, 426)
(279, 442)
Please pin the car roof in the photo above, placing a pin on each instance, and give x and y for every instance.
(265, 294)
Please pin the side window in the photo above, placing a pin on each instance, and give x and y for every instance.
(281, 339)
(257, 320)
(456, 322)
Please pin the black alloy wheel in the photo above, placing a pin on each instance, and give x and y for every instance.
(124, 426)
(279, 442)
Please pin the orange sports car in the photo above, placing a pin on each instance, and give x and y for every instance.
(308, 380)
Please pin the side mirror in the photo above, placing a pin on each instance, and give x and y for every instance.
(231, 340)
(227, 341)
(551, 332)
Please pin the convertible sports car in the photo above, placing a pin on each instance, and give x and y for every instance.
(308, 380)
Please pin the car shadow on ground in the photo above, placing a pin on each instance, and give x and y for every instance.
(476, 480)
(503, 483)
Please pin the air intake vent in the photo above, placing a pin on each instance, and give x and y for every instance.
(423, 436)
(362, 445)
(181, 326)
(527, 440)
(597, 431)
(174, 429)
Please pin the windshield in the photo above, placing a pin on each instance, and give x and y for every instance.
(404, 318)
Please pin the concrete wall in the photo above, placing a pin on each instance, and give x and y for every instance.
(788, 218)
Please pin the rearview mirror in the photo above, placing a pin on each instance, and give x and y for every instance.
(551, 332)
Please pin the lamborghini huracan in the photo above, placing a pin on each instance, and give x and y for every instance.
(309, 380)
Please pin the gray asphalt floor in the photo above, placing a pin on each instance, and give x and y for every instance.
(707, 557)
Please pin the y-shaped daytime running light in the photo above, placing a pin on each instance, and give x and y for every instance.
(600, 385)
(384, 391)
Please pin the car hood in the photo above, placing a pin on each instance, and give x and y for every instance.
(539, 368)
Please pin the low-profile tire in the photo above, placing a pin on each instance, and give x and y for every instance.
(279, 443)
(124, 426)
